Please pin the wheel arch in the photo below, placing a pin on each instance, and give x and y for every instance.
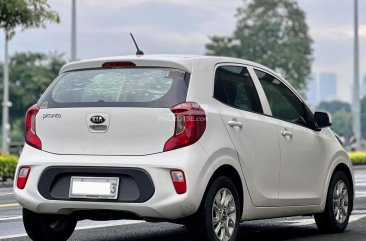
(230, 172)
(344, 166)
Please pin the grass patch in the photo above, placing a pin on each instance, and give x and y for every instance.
(358, 158)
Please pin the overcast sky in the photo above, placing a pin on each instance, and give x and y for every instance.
(182, 27)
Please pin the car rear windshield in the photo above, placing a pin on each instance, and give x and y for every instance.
(129, 87)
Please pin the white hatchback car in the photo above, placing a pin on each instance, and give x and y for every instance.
(208, 142)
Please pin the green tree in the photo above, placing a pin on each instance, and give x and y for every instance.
(363, 117)
(342, 123)
(341, 116)
(271, 32)
(25, 14)
(334, 106)
(30, 75)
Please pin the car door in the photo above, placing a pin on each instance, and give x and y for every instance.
(302, 147)
(253, 135)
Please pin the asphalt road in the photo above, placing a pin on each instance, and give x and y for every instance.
(296, 228)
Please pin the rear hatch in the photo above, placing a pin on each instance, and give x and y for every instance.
(111, 111)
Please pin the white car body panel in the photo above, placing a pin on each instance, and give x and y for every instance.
(302, 157)
(126, 134)
(259, 153)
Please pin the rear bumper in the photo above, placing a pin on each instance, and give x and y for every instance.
(135, 185)
(163, 202)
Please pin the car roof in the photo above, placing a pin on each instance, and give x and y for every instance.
(184, 62)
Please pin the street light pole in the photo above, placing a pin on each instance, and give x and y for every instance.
(5, 127)
(73, 31)
(356, 85)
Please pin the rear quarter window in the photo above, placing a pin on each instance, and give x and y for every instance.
(234, 87)
(129, 87)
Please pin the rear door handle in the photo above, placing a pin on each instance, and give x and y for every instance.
(234, 123)
(286, 133)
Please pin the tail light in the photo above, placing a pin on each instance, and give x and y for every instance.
(190, 124)
(23, 177)
(31, 137)
(179, 181)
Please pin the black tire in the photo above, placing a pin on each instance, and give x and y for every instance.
(201, 225)
(327, 221)
(44, 227)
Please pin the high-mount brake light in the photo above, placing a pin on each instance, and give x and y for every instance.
(31, 137)
(190, 124)
(118, 64)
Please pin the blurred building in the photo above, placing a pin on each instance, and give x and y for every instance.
(312, 93)
(327, 87)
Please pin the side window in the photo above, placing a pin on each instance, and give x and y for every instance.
(235, 87)
(285, 105)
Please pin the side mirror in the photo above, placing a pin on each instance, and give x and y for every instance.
(322, 119)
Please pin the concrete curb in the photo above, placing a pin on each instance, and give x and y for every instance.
(6, 184)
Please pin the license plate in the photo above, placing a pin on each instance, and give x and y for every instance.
(94, 187)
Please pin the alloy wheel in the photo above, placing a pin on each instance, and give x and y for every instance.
(224, 214)
(340, 202)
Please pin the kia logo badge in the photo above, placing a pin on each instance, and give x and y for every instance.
(97, 119)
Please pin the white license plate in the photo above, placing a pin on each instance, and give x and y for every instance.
(94, 187)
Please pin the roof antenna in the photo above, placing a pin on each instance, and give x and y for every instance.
(138, 52)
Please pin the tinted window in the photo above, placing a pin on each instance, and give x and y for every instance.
(145, 87)
(285, 105)
(235, 87)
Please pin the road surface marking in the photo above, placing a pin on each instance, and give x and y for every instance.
(10, 218)
(358, 212)
(6, 194)
(360, 194)
(13, 236)
(311, 221)
(301, 222)
(117, 223)
(9, 205)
